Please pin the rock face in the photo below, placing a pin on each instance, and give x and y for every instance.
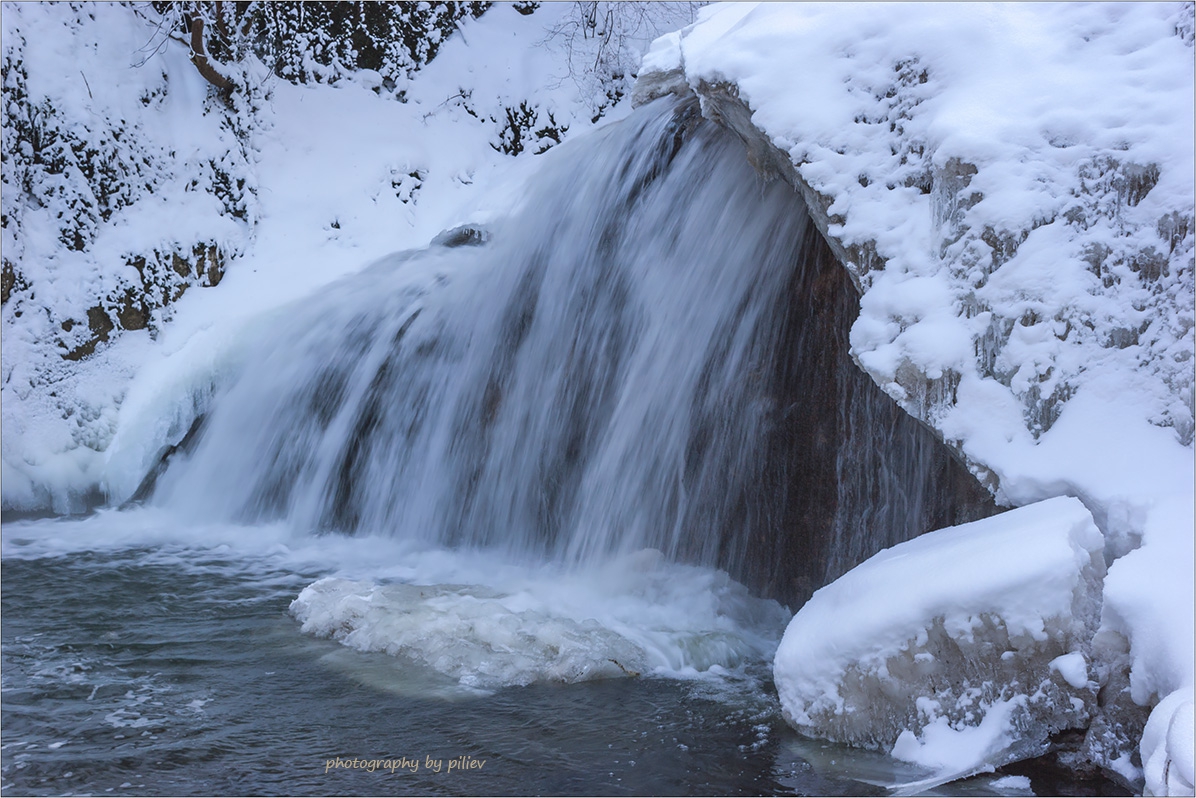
(846, 471)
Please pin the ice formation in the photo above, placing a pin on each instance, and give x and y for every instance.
(520, 625)
(470, 635)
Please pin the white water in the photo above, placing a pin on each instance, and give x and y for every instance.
(558, 393)
(590, 405)
(495, 456)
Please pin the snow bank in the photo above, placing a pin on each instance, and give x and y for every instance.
(960, 650)
(1167, 746)
(1011, 187)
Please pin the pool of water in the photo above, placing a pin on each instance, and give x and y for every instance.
(174, 669)
(144, 664)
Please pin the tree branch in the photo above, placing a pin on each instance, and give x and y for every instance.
(199, 56)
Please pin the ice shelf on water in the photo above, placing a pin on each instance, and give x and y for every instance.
(633, 616)
(982, 658)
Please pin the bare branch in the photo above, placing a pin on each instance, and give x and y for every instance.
(159, 28)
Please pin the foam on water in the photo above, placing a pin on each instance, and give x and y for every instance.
(636, 615)
(465, 621)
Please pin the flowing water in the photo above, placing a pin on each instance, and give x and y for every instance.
(138, 662)
(523, 503)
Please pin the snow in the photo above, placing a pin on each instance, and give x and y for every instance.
(960, 650)
(337, 177)
(1012, 185)
(1009, 784)
(957, 750)
(1167, 746)
(1073, 668)
(86, 77)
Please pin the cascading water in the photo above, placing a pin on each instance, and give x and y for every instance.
(650, 353)
(593, 441)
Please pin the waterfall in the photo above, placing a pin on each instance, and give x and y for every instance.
(649, 353)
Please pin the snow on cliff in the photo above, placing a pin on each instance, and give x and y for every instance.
(1011, 186)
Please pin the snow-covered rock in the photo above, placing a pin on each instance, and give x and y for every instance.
(958, 154)
(960, 650)
(1011, 189)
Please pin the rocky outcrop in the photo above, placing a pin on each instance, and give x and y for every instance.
(919, 394)
(1017, 215)
(1125, 290)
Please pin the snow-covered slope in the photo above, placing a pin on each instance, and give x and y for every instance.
(1011, 186)
(282, 187)
(123, 187)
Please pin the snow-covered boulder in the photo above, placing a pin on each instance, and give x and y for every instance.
(960, 650)
(1167, 746)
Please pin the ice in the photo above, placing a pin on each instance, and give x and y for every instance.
(636, 615)
(960, 650)
(465, 632)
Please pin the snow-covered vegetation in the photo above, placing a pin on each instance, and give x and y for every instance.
(129, 178)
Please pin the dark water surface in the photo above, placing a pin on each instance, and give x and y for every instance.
(176, 669)
(133, 673)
